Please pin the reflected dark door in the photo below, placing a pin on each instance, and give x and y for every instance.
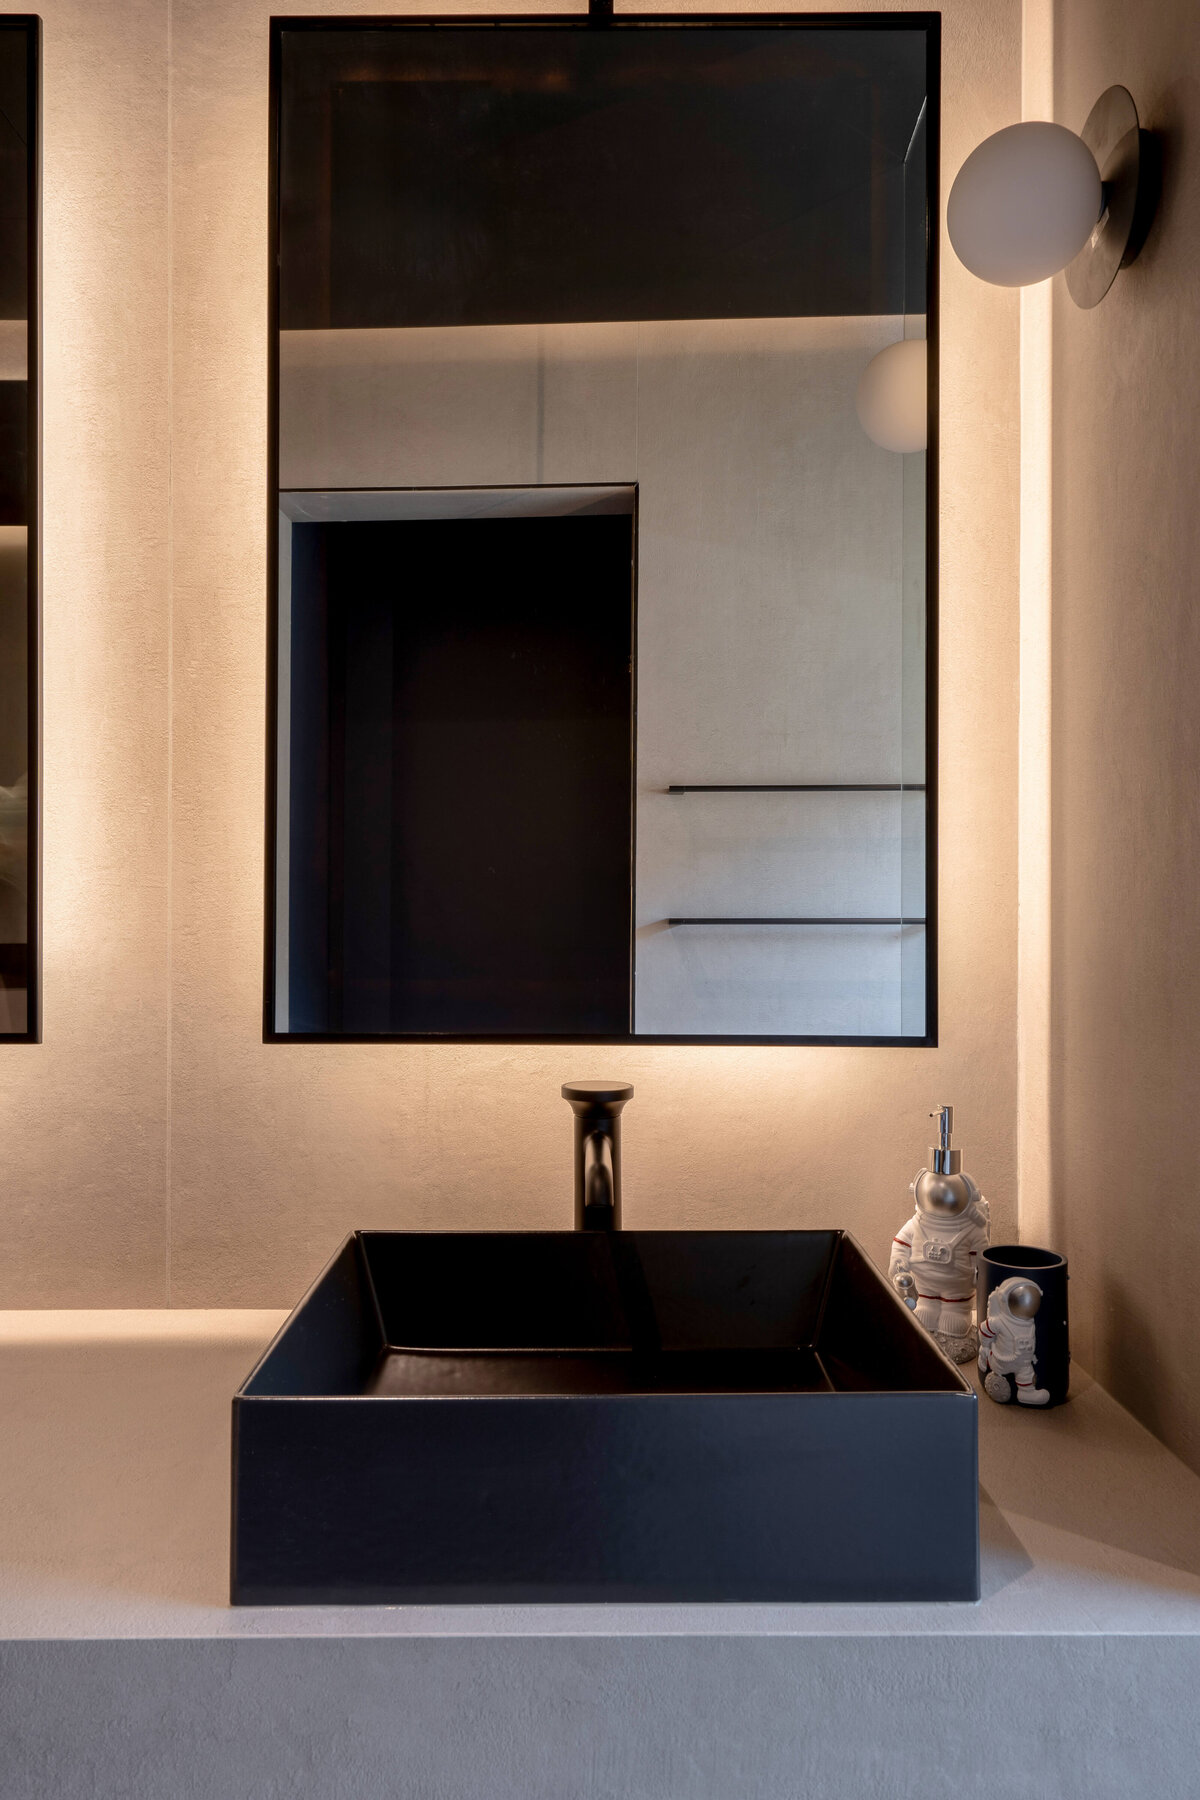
(460, 818)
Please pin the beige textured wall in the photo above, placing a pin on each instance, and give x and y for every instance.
(84, 1116)
(1126, 747)
(154, 1144)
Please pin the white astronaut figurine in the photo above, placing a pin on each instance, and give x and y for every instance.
(934, 1256)
(1006, 1339)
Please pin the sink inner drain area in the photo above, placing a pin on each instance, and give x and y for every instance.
(476, 1373)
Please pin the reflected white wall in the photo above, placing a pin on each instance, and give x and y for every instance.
(780, 610)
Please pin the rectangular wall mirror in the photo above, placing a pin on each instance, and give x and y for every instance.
(602, 663)
(19, 612)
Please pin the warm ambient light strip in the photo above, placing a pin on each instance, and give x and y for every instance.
(801, 787)
(1035, 1134)
(904, 921)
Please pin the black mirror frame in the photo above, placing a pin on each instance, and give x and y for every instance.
(601, 17)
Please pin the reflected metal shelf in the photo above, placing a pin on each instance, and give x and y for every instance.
(805, 921)
(798, 787)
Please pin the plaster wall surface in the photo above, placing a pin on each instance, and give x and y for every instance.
(84, 1116)
(157, 1150)
(1126, 746)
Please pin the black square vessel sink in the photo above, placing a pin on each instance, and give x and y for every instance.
(584, 1416)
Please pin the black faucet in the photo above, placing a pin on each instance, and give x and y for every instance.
(597, 1108)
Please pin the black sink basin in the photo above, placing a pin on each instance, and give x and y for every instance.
(580, 1416)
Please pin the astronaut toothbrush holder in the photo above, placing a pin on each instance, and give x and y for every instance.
(1007, 1343)
(1024, 1330)
(934, 1257)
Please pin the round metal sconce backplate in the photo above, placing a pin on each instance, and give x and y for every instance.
(1118, 145)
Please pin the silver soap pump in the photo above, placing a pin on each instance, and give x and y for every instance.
(942, 1189)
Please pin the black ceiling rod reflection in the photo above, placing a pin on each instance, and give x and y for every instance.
(600, 12)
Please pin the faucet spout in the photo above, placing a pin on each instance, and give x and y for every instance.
(597, 1107)
(599, 1208)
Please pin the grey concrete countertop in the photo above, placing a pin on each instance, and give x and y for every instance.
(114, 1511)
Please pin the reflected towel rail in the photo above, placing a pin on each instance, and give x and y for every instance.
(801, 787)
(710, 921)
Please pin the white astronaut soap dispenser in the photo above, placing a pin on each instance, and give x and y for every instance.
(934, 1257)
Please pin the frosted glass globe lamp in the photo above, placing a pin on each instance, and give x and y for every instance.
(1036, 198)
(1024, 203)
(892, 401)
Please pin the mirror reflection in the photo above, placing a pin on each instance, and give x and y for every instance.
(601, 664)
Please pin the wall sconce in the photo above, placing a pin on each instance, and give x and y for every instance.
(893, 397)
(1035, 198)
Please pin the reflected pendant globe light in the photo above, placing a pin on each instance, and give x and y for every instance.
(893, 397)
(1035, 198)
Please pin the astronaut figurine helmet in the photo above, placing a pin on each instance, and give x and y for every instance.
(942, 1196)
(942, 1191)
(1022, 1298)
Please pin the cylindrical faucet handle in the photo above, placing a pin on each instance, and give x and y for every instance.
(600, 1094)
